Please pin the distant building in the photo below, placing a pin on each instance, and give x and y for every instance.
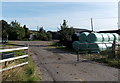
(33, 31)
(32, 35)
(55, 35)
(110, 31)
(78, 30)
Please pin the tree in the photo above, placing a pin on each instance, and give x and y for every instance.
(65, 32)
(14, 30)
(18, 32)
(27, 32)
(49, 36)
(5, 29)
(64, 25)
(43, 35)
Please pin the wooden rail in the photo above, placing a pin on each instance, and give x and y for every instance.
(13, 66)
(7, 50)
(13, 58)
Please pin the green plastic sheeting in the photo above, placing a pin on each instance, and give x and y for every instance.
(83, 46)
(77, 45)
(83, 36)
(97, 47)
(111, 36)
(108, 45)
(94, 37)
(116, 36)
(105, 37)
(95, 42)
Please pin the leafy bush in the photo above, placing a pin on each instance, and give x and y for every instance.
(14, 31)
(56, 44)
(68, 44)
(65, 32)
(43, 35)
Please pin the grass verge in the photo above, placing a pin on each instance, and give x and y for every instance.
(30, 72)
(25, 73)
(101, 58)
(57, 45)
(110, 62)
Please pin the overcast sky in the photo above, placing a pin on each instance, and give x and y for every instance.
(51, 14)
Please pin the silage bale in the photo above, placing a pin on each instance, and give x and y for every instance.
(105, 37)
(116, 36)
(111, 37)
(77, 45)
(97, 47)
(94, 37)
(83, 36)
(108, 45)
(83, 46)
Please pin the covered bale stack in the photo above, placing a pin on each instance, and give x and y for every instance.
(95, 41)
(82, 43)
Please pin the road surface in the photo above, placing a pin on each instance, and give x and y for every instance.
(58, 65)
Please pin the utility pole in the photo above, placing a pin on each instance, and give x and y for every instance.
(37, 28)
(91, 24)
(7, 37)
(119, 15)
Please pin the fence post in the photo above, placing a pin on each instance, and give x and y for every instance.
(113, 48)
(26, 44)
(26, 51)
(77, 55)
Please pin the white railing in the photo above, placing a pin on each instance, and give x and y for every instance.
(13, 49)
(13, 58)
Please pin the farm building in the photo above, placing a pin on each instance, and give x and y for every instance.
(78, 30)
(110, 31)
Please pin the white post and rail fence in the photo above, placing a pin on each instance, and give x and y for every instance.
(13, 58)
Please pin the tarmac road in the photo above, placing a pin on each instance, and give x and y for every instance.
(59, 65)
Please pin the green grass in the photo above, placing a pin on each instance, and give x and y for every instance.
(110, 59)
(30, 72)
(9, 43)
(110, 62)
(27, 72)
(57, 45)
(18, 53)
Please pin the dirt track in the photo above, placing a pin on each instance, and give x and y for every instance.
(59, 65)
